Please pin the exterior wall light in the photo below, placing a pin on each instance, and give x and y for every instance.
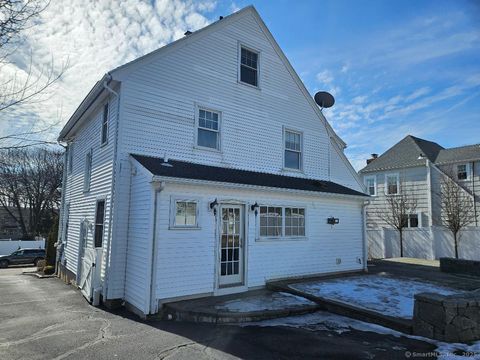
(333, 221)
(254, 208)
(213, 206)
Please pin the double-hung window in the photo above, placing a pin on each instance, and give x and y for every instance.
(293, 150)
(88, 171)
(371, 184)
(412, 220)
(105, 125)
(248, 66)
(208, 135)
(99, 223)
(277, 221)
(185, 214)
(462, 172)
(392, 184)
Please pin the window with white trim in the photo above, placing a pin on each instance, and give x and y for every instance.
(463, 171)
(104, 136)
(248, 66)
(278, 221)
(208, 132)
(88, 171)
(294, 222)
(293, 150)
(185, 214)
(99, 223)
(371, 185)
(392, 184)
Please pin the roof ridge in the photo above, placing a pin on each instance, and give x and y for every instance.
(460, 147)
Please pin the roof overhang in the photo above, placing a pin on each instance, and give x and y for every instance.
(85, 106)
(184, 181)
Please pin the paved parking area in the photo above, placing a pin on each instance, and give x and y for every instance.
(47, 319)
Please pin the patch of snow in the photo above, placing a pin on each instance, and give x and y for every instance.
(393, 297)
(325, 321)
(271, 301)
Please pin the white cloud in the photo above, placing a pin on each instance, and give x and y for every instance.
(325, 77)
(95, 37)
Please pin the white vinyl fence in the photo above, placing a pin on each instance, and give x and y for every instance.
(8, 246)
(423, 243)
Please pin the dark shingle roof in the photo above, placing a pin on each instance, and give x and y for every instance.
(405, 153)
(463, 153)
(187, 170)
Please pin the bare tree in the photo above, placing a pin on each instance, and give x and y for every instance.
(29, 85)
(397, 210)
(30, 180)
(457, 206)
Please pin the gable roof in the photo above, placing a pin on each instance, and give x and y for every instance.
(405, 153)
(462, 153)
(193, 171)
(112, 74)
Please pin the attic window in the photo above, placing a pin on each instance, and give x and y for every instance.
(249, 67)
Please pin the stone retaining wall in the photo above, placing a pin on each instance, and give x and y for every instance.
(453, 318)
(460, 266)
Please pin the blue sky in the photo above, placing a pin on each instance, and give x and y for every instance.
(395, 67)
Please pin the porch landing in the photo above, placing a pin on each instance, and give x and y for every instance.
(244, 307)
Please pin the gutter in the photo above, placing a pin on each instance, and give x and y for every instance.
(112, 189)
(365, 240)
(255, 187)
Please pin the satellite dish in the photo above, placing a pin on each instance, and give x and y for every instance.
(324, 99)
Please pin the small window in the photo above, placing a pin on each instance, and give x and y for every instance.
(66, 222)
(371, 184)
(293, 150)
(70, 158)
(249, 67)
(185, 214)
(208, 129)
(392, 184)
(105, 124)
(88, 171)
(294, 222)
(270, 221)
(99, 221)
(412, 220)
(462, 172)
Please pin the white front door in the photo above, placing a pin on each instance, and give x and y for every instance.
(231, 257)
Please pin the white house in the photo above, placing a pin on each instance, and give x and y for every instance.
(204, 168)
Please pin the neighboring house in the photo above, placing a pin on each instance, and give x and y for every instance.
(204, 168)
(10, 228)
(417, 166)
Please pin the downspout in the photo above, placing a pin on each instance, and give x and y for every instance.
(60, 238)
(365, 240)
(112, 190)
(158, 186)
(430, 200)
(474, 196)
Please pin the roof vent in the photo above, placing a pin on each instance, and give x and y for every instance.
(188, 32)
(220, 18)
(165, 161)
(421, 156)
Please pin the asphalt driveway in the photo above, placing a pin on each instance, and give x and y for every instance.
(47, 319)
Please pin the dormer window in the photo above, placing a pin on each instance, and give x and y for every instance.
(248, 66)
